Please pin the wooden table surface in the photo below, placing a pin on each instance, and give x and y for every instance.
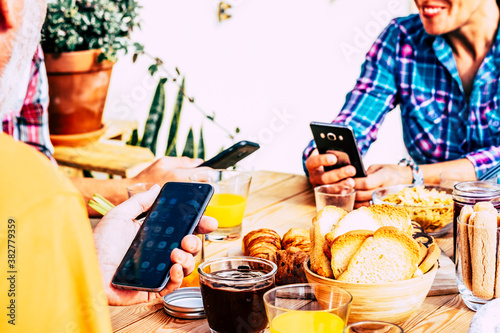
(281, 201)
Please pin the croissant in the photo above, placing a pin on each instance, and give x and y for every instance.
(297, 237)
(262, 243)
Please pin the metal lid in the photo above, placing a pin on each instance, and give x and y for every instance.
(184, 303)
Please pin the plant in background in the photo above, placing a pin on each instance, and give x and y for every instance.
(78, 25)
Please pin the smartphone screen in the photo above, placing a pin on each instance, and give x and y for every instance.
(174, 214)
(232, 155)
(338, 140)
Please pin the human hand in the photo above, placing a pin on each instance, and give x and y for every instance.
(315, 164)
(379, 175)
(116, 231)
(169, 169)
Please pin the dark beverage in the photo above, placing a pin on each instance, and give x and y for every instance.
(232, 290)
(230, 309)
(470, 193)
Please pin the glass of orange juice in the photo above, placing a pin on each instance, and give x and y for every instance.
(312, 308)
(228, 203)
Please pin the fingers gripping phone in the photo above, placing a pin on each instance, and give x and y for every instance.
(338, 140)
(174, 214)
(231, 155)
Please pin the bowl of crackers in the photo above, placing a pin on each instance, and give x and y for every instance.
(372, 253)
(430, 206)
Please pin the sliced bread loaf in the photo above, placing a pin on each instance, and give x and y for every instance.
(390, 255)
(374, 217)
(322, 224)
(344, 247)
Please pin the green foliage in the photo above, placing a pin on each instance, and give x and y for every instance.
(174, 124)
(189, 146)
(155, 117)
(200, 153)
(77, 25)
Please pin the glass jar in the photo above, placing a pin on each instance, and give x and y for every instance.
(469, 193)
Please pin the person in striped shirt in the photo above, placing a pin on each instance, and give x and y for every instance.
(442, 67)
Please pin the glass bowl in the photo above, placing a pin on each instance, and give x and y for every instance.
(431, 206)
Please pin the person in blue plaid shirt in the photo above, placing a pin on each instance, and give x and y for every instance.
(442, 68)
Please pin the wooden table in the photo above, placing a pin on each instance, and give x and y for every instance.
(280, 201)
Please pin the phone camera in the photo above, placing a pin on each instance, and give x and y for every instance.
(331, 137)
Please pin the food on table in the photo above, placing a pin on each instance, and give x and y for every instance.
(372, 218)
(307, 321)
(323, 222)
(371, 244)
(288, 253)
(389, 255)
(297, 237)
(478, 249)
(262, 243)
(431, 256)
(290, 264)
(343, 248)
(432, 209)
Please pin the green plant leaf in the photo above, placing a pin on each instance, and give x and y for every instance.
(200, 153)
(155, 117)
(189, 146)
(134, 138)
(174, 124)
(153, 69)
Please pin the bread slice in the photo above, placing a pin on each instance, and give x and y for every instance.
(483, 253)
(374, 217)
(433, 253)
(344, 247)
(390, 255)
(322, 224)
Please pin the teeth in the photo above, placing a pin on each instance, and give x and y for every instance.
(431, 10)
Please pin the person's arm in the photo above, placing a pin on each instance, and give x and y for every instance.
(33, 120)
(366, 106)
(159, 172)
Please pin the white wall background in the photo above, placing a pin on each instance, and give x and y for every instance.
(270, 70)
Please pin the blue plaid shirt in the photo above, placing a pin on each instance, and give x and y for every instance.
(409, 67)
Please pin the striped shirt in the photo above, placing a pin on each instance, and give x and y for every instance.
(30, 124)
(417, 71)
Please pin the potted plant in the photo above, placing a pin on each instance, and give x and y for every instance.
(81, 40)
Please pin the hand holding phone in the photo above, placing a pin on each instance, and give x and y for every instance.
(232, 155)
(174, 214)
(338, 140)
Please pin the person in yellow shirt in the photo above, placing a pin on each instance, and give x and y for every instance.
(56, 276)
(55, 273)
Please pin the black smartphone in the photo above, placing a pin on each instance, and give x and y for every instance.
(174, 214)
(232, 155)
(338, 140)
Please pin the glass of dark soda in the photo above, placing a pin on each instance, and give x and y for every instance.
(232, 289)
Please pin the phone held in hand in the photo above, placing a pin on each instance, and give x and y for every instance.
(232, 155)
(174, 214)
(338, 140)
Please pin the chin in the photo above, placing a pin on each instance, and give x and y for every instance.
(435, 28)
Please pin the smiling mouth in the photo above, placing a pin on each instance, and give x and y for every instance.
(431, 11)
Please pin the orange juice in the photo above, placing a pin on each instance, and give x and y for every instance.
(193, 279)
(227, 208)
(307, 321)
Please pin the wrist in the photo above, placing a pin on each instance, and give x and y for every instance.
(417, 173)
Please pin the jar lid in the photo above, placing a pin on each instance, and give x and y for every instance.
(184, 303)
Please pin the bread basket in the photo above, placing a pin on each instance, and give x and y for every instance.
(394, 302)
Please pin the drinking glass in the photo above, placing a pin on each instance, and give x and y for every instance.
(228, 203)
(312, 308)
(138, 188)
(334, 195)
(232, 290)
(373, 327)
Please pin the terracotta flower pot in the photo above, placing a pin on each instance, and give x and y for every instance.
(78, 86)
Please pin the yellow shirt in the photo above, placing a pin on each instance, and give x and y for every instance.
(49, 276)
